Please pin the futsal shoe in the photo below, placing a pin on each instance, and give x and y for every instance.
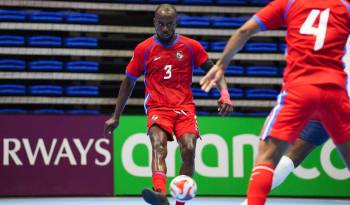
(154, 197)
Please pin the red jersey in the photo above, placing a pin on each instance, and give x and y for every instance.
(167, 70)
(317, 31)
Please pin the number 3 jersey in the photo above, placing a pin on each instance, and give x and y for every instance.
(167, 70)
(317, 31)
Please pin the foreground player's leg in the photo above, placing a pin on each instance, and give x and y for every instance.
(295, 155)
(187, 144)
(344, 150)
(270, 152)
(159, 151)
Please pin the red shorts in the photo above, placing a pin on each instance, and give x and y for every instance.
(296, 106)
(178, 122)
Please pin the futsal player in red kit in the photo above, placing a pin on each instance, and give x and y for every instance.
(314, 85)
(166, 60)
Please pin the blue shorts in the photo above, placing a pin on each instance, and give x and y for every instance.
(314, 133)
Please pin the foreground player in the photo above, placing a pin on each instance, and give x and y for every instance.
(312, 136)
(166, 60)
(314, 80)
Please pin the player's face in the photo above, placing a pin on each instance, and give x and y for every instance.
(165, 27)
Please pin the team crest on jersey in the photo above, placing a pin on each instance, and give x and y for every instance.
(179, 55)
(154, 118)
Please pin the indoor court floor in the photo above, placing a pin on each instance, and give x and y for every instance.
(139, 201)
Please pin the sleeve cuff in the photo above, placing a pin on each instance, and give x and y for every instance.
(260, 23)
(131, 77)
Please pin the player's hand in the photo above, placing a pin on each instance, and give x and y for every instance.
(211, 78)
(110, 125)
(225, 107)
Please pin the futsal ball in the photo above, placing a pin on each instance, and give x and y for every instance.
(183, 188)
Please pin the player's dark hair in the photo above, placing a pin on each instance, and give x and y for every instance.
(166, 8)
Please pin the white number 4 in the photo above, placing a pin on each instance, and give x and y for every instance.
(167, 69)
(320, 31)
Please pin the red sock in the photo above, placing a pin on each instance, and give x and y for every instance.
(180, 203)
(159, 181)
(260, 184)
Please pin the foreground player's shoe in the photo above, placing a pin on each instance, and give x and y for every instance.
(154, 197)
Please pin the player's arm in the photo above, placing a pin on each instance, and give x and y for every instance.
(124, 93)
(225, 104)
(235, 43)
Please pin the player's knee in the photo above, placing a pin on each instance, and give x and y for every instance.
(188, 151)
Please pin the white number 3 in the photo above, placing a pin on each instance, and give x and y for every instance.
(320, 31)
(167, 69)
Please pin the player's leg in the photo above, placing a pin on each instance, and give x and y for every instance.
(344, 150)
(294, 156)
(159, 140)
(291, 113)
(270, 152)
(187, 144)
(313, 135)
(335, 116)
(186, 132)
(160, 127)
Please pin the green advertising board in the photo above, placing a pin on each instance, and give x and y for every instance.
(224, 159)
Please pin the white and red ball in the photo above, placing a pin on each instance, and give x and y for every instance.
(183, 188)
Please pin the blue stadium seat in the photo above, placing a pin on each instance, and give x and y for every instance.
(12, 15)
(197, 92)
(48, 111)
(12, 64)
(163, 1)
(46, 16)
(228, 22)
(82, 18)
(50, 41)
(83, 66)
(46, 65)
(232, 2)
(11, 40)
(262, 71)
(198, 2)
(82, 90)
(205, 44)
(261, 47)
(282, 47)
(214, 93)
(261, 93)
(83, 112)
(45, 90)
(81, 42)
(234, 93)
(198, 71)
(12, 111)
(259, 2)
(196, 21)
(12, 89)
(217, 45)
(234, 70)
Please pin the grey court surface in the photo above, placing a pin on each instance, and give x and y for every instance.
(139, 201)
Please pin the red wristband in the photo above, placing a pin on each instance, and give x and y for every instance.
(224, 94)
